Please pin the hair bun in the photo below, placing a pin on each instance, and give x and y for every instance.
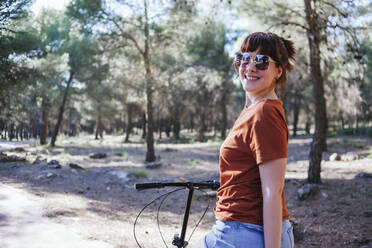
(291, 51)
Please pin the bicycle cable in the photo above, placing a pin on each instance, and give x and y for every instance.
(148, 204)
(201, 218)
(197, 224)
(158, 222)
(157, 217)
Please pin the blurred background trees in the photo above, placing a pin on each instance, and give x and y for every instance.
(159, 68)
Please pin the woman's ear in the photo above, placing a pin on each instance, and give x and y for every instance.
(279, 72)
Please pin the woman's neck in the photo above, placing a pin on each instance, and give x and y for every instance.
(252, 99)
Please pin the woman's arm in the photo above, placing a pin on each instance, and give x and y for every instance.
(272, 182)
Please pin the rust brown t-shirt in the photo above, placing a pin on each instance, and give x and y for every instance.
(259, 134)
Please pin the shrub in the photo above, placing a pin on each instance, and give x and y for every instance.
(346, 131)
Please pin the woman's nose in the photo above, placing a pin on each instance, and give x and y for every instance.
(251, 66)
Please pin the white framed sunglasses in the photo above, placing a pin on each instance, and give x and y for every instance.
(260, 61)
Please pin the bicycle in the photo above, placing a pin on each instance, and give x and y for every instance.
(178, 241)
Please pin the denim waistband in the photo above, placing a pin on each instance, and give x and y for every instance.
(247, 225)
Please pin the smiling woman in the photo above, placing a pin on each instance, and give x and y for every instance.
(250, 208)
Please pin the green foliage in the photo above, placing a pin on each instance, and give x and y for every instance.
(345, 143)
(140, 174)
(369, 132)
(119, 153)
(182, 140)
(195, 161)
(207, 47)
(122, 154)
(331, 134)
(87, 12)
(346, 131)
(18, 44)
(213, 139)
(11, 10)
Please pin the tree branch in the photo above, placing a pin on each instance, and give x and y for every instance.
(126, 35)
(282, 6)
(334, 7)
(285, 23)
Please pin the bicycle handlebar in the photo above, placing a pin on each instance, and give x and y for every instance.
(212, 184)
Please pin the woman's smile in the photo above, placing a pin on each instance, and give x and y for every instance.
(250, 77)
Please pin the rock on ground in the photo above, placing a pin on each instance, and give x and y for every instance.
(153, 165)
(350, 156)
(306, 191)
(335, 157)
(98, 155)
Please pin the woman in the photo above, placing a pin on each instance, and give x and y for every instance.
(250, 206)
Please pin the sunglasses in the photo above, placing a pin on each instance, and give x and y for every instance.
(261, 62)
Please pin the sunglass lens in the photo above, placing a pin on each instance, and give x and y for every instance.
(238, 58)
(262, 62)
(246, 57)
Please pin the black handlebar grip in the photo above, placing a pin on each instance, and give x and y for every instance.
(147, 185)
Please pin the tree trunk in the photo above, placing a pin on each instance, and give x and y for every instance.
(296, 112)
(99, 126)
(224, 98)
(319, 137)
(11, 131)
(202, 127)
(176, 123)
(192, 124)
(128, 128)
(342, 121)
(44, 120)
(150, 154)
(61, 110)
(144, 126)
(160, 127)
(168, 127)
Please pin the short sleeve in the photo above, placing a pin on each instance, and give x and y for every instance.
(269, 137)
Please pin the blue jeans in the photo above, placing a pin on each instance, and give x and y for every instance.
(234, 234)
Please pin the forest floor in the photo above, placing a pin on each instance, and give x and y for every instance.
(41, 206)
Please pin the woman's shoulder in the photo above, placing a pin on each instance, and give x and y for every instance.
(268, 109)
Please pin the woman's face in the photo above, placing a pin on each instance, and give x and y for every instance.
(258, 81)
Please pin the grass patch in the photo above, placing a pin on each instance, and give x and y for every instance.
(169, 150)
(122, 154)
(119, 153)
(173, 140)
(182, 140)
(137, 173)
(367, 193)
(332, 143)
(346, 131)
(346, 143)
(369, 155)
(195, 161)
(344, 190)
(331, 134)
(353, 144)
(358, 145)
(214, 139)
(140, 174)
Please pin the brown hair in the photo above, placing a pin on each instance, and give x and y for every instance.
(281, 50)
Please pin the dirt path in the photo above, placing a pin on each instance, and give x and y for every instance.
(98, 204)
(22, 224)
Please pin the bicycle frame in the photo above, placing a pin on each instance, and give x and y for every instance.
(180, 241)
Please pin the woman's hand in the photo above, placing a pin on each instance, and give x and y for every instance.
(272, 175)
